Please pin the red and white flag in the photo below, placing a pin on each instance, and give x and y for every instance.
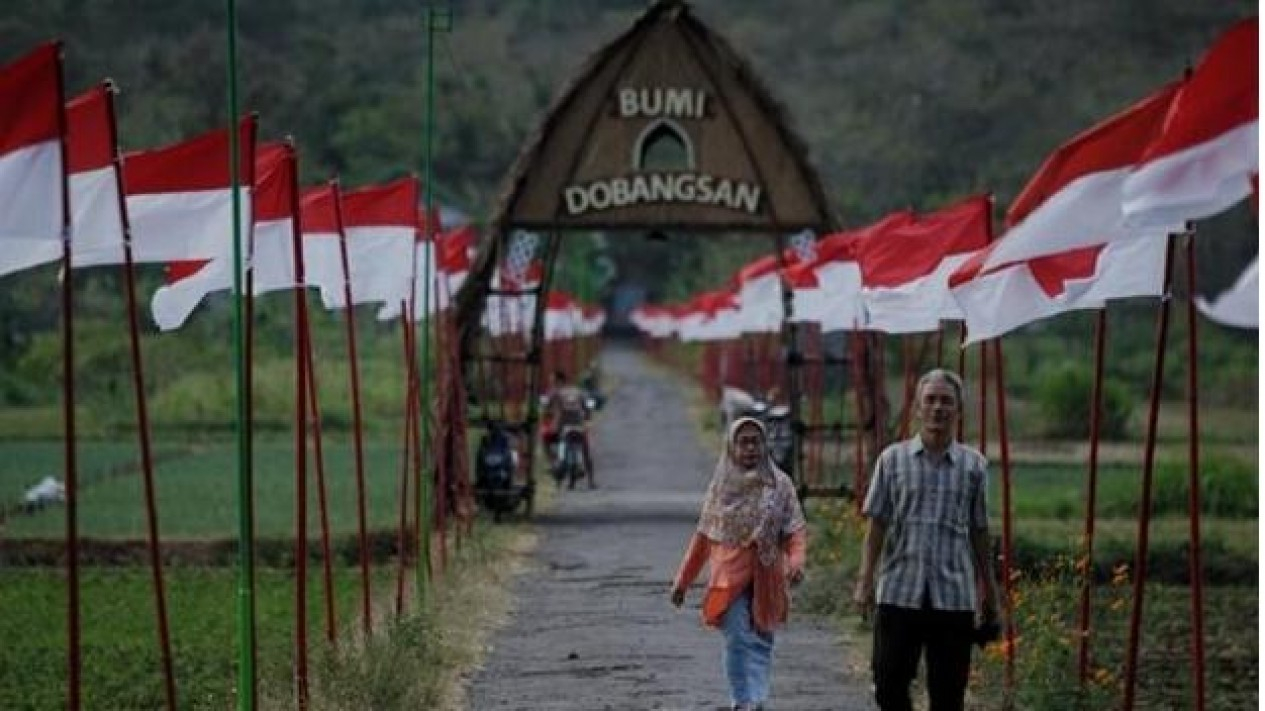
(905, 268)
(271, 245)
(760, 296)
(1076, 198)
(31, 199)
(999, 299)
(1204, 159)
(380, 230)
(179, 199)
(1238, 306)
(838, 272)
(322, 230)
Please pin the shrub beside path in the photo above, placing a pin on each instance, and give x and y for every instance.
(592, 629)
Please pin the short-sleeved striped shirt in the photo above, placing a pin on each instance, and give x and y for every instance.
(929, 506)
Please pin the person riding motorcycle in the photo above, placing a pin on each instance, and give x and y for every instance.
(567, 409)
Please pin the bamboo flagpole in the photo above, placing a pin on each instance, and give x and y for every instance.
(1148, 476)
(1196, 558)
(301, 380)
(74, 652)
(142, 414)
(357, 432)
(245, 523)
(1085, 616)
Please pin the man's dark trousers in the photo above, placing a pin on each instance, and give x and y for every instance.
(901, 634)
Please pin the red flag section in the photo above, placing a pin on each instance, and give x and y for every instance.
(1205, 158)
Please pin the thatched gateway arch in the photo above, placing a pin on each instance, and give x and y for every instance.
(665, 129)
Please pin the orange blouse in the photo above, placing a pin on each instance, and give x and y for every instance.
(734, 569)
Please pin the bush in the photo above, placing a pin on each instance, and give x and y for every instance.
(1227, 488)
(1064, 394)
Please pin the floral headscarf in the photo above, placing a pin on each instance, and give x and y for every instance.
(755, 506)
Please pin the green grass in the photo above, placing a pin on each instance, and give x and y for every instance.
(197, 494)
(24, 463)
(120, 645)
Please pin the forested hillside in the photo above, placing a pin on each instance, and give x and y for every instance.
(901, 102)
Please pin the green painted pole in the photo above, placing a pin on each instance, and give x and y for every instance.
(423, 491)
(245, 523)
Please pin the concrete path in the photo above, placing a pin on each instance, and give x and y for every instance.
(592, 628)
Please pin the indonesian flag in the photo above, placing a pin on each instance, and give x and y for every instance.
(905, 269)
(449, 261)
(1000, 299)
(1239, 306)
(839, 273)
(806, 297)
(31, 200)
(1076, 198)
(562, 316)
(96, 220)
(321, 228)
(180, 201)
(760, 296)
(1204, 159)
(710, 316)
(380, 230)
(271, 246)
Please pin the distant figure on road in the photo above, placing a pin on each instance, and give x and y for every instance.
(928, 537)
(567, 409)
(753, 535)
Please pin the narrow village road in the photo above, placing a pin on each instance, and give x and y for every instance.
(592, 628)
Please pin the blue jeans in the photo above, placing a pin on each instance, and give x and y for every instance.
(748, 654)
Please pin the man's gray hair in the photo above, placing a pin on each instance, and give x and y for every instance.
(945, 376)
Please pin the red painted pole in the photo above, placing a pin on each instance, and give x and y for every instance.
(1148, 476)
(1085, 619)
(1196, 558)
(74, 652)
(300, 444)
(331, 622)
(142, 415)
(1007, 517)
(358, 443)
(409, 391)
(961, 371)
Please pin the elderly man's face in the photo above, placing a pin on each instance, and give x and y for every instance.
(748, 446)
(938, 409)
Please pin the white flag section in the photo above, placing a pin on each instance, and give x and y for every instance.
(95, 227)
(1238, 306)
(916, 306)
(30, 159)
(840, 292)
(379, 263)
(272, 241)
(1204, 160)
(997, 301)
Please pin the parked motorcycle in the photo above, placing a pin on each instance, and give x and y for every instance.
(496, 461)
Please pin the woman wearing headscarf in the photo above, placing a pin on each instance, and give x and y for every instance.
(753, 536)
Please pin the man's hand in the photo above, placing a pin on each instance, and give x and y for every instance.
(678, 597)
(863, 597)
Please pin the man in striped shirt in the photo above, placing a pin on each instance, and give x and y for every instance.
(928, 535)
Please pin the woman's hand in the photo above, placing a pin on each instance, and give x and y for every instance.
(795, 576)
(678, 596)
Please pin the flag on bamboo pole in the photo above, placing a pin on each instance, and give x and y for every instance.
(318, 222)
(1076, 198)
(1238, 306)
(96, 222)
(31, 165)
(451, 265)
(270, 251)
(998, 300)
(1205, 157)
(380, 228)
(760, 296)
(837, 302)
(905, 269)
(179, 199)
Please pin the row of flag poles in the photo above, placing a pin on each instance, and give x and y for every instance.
(1096, 223)
(68, 194)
